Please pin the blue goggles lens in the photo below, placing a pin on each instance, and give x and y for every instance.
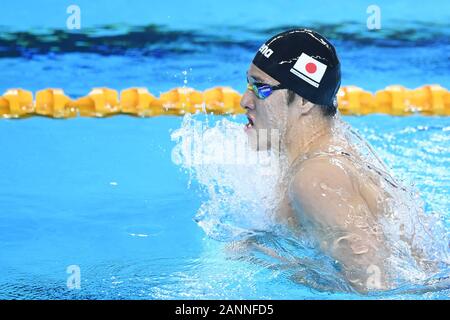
(262, 91)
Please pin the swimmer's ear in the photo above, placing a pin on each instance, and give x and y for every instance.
(305, 107)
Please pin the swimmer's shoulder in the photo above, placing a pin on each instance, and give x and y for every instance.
(310, 174)
(324, 189)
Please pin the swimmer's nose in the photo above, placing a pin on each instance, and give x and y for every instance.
(247, 100)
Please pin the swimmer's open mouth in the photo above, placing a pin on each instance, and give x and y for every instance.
(250, 122)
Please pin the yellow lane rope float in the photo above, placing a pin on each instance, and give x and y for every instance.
(103, 102)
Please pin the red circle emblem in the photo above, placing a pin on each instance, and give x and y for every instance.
(311, 67)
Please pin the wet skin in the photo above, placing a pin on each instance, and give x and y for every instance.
(325, 196)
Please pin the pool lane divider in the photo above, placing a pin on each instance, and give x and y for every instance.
(139, 102)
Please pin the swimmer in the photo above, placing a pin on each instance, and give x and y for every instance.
(292, 85)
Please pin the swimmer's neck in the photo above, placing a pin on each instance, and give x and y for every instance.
(308, 134)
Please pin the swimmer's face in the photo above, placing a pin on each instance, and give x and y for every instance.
(267, 117)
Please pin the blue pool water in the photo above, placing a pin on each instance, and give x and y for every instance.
(104, 194)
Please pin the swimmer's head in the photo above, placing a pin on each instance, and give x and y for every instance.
(295, 73)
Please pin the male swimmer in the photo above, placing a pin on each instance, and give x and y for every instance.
(292, 86)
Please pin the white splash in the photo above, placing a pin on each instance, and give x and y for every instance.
(239, 182)
(240, 186)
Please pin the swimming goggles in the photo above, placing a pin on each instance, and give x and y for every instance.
(261, 90)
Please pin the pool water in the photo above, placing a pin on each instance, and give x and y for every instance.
(105, 194)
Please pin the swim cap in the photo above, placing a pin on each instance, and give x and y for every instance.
(303, 61)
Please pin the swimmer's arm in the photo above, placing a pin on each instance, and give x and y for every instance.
(325, 193)
(250, 245)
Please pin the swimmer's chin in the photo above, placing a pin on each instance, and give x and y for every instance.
(254, 139)
(257, 147)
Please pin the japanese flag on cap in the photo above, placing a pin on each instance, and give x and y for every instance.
(309, 69)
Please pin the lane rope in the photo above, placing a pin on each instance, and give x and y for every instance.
(103, 102)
